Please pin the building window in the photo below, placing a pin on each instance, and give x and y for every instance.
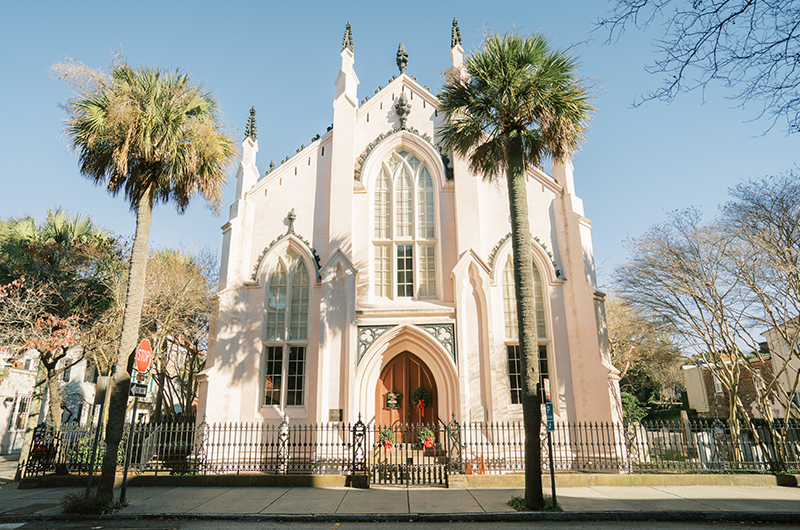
(511, 331)
(64, 375)
(404, 229)
(717, 385)
(19, 413)
(515, 373)
(91, 373)
(286, 333)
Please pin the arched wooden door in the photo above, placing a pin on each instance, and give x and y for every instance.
(405, 373)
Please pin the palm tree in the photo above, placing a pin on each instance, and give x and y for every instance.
(517, 103)
(156, 137)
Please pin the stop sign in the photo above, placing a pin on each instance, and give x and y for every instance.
(143, 356)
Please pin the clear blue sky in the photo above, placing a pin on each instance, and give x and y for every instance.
(283, 57)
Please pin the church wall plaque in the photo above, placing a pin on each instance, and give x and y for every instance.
(393, 400)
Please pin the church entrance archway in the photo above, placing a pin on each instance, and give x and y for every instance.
(402, 375)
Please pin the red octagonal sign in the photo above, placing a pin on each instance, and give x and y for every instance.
(143, 356)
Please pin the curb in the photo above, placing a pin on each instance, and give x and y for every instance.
(622, 516)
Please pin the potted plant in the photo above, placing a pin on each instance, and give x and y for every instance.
(423, 434)
(387, 438)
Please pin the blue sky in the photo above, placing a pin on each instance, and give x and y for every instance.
(282, 58)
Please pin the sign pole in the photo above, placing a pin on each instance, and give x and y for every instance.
(144, 355)
(551, 426)
(99, 397)
(128, 451)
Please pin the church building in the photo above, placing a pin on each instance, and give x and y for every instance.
(372, 269)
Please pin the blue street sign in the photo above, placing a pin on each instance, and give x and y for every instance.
(551, 424)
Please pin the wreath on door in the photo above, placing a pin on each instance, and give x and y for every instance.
(421, 394)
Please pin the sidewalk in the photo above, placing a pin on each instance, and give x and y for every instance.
(666, 503)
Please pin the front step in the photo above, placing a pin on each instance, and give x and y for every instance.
(457, 482)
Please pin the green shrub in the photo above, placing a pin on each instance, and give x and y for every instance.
(91, 503)
(518, 503)
(387, 435)
(631, 408)
(423, 434)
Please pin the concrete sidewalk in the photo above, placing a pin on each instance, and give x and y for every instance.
(668, 503)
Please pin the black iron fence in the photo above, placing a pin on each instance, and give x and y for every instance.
(419, 454)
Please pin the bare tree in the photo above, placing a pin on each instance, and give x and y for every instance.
(679, 271)
(726, 283)
(178, 306)
(752, 48)
(763, 219)
(643, 350)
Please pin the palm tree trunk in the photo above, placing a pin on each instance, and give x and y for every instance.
(120, 378)
(526, 315)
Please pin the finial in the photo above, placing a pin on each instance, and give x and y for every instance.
(347, 42)
(250, 131)
(272, 165)
(455, 35)
(403, 109)
(402, 58)
(291, 218)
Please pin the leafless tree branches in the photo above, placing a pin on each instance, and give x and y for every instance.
(752, 47)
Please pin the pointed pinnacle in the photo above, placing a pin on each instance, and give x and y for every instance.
(455, 34)
(347, 41)
(251, 131)
(402, 58)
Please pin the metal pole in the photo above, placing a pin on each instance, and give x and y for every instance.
(94, 449)
(552, 471)
(128, 450)
(99, 398)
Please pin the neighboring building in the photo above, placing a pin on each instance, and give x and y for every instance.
(709, 398)
(76, 384)
(15, 391)
(371, 264)
(786, 362)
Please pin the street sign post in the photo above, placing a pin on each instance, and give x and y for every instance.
(138, 388)
(551, 426)
(143, 356)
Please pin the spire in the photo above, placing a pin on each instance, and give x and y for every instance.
(347, 42)
(250, 131)
(402, 58)
(455, 35)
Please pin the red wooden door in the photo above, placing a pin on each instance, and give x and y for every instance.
(405, 373)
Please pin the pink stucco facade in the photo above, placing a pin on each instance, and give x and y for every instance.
(369, 244)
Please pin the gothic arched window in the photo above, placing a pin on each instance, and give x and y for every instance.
(511, 331)
(286, 333)
(404, 229)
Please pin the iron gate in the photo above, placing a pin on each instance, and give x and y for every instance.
(411, 454)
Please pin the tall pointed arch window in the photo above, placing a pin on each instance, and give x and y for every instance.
(286, 333)
(404, 229)
(511, 331)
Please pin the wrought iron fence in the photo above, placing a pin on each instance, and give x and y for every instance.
(420, 454)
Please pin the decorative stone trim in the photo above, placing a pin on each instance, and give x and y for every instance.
(381, 137)
(448, 169)
(289, 232)
(499, 244)
(444, 334)
(367, 335)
